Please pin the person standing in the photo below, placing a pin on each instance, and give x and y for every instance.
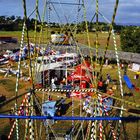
(53, 86)
(71, 39)
(108, 80)
(125, 68)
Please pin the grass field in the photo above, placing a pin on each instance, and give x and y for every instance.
(7, 86)
(81, 38)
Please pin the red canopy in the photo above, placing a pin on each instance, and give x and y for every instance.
(75, 77)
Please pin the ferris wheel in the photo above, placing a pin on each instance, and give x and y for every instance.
(71, 92)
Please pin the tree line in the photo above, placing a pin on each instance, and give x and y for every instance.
(14, 23)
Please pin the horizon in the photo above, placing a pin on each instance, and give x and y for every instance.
(122, 24)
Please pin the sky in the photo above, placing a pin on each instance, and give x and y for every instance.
(128, 10)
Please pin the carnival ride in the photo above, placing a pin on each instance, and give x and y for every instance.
(53, 112)
(129, 84)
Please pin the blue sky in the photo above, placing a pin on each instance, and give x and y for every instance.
(128, 11)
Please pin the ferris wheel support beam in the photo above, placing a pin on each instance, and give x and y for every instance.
(64, 3)
(65, 118)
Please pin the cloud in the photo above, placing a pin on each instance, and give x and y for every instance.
(128, 11)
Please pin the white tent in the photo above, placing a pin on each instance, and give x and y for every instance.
(135, 67)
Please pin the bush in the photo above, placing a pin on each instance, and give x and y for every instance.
(130, 39)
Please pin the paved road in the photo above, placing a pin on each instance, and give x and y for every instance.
(132, 57)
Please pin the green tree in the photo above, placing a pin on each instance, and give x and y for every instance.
(12, 17)
(2, 19)
(130, 39)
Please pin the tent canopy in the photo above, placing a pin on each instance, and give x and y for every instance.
(48, 108)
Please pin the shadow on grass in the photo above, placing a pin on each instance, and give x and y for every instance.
(62, 109)
(9, 85)
(136, 111)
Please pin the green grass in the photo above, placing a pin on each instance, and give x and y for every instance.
(102, 39)
(8, 84)
(81, 37)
